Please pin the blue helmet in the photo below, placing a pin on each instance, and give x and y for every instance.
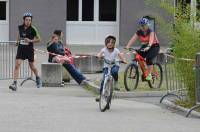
(143, 21)
(27, 14)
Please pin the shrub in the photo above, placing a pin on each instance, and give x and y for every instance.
(184, 39)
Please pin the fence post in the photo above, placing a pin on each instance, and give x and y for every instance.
(197, 71)
(197, 84)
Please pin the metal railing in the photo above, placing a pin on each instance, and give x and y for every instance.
(8, 52)
(174, 81)
(197, 84)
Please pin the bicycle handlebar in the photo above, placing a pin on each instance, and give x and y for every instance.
(110, 62)
(134, 49)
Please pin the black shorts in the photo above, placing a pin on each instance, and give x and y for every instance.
(151, 54)
(25, 52)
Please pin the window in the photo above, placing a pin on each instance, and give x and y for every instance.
(198, 11)
(87, 10)
(72, 10)
(107, 10)
(2, 10)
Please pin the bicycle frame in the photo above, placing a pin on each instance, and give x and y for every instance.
(141, 62)
(156, 75)
(107, 76)
(139, 59)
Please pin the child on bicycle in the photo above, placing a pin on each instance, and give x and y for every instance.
(111, 53)
(150, 45)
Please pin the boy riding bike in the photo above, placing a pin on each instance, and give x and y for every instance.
(111, 53)
(150, 45)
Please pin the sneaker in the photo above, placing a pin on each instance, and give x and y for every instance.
(149, 77)
(38, 82)
(13, 87)
(116, 86)
(85, 81)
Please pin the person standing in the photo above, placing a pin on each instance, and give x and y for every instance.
(26, 38)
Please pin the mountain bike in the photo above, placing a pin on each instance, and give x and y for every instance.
(131, 74)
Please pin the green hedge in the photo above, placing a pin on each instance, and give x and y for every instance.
(183, 37)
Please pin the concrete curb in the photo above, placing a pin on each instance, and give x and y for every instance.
(95, 89)
(139, 94)
(91, 87)
(185, 110)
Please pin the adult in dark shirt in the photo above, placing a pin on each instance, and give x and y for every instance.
(26, 37)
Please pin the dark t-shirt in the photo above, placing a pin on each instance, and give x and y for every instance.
(56, 48)
(29, 33)
(26, 51)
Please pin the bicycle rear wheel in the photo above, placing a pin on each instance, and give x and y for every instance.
(157, 76)
(106, 95)
(131, 77)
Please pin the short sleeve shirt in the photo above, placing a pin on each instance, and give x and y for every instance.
(110, 55)
(29, 33)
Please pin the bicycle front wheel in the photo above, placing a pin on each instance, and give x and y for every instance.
(131, 77)
(106, 95)
(157, 76)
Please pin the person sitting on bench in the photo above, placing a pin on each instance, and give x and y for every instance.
(58, 54)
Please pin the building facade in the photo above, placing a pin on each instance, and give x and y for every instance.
(85, 22)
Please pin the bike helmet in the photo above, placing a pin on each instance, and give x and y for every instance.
(143, 21)
(27, 14)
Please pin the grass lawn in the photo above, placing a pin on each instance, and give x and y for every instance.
(142, 86)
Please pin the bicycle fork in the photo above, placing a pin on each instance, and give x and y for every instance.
(106, 89)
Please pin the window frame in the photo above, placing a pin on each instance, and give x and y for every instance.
(7, 12)
(107, 20)
(96, 15)
(92, 12)
(67, 12)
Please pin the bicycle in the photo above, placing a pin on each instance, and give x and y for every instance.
(107, 90)
(131, 74)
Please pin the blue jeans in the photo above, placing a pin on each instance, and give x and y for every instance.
(78, 77)
(114, 73)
